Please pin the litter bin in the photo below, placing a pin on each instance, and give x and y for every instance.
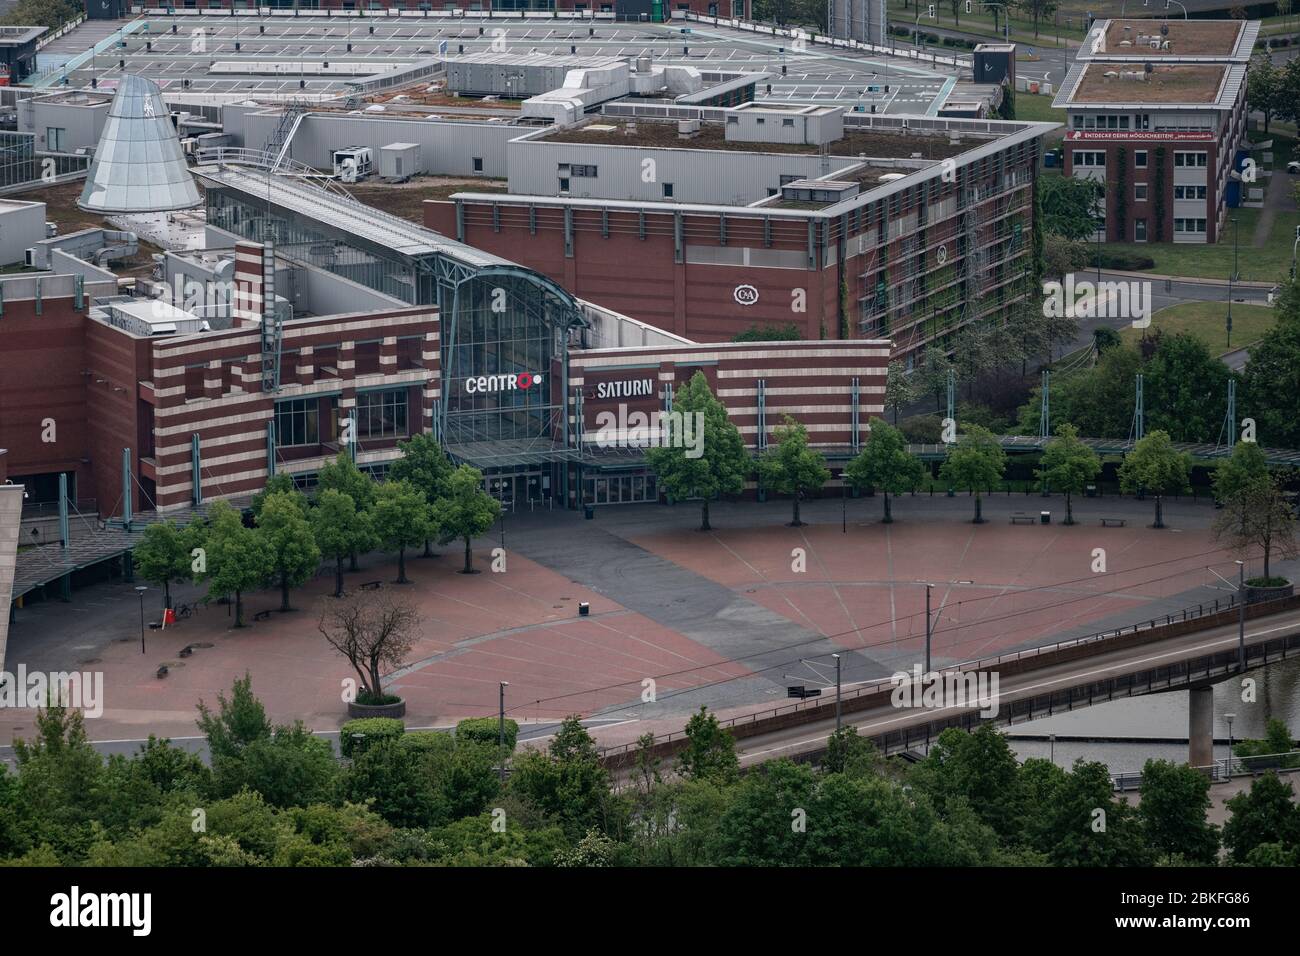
(588, 512)
(1091, 491)
(1045, 517)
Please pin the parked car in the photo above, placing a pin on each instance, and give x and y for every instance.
(1293, 167)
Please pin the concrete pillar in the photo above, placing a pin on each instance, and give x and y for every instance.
(1200, 726)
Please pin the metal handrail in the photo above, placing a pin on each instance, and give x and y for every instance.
(1201, 610)
(1220, 770)
(271, 164)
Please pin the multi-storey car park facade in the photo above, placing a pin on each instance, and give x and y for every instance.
(1157, 113)
(622, 9)
(905, 228)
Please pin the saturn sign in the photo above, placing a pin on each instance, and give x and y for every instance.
(745, 294)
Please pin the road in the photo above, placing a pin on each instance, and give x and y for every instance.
(793, 741)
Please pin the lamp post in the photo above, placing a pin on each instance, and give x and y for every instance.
(139, 590)
(1229, 718)
(837, 692)
(1293, 250)
(928, 589)
(1177, 4)
(1241, 617)
(501, 727)
(1232, 277)
(1051, 741)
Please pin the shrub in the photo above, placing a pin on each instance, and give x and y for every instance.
(425, 740)
(486, 729)
(1270, 582)
(1122, 261)
(370, 730)
(371, 699)
(922, 429)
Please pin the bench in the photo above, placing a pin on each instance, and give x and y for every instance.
(1108, 522)
(372, 585)
(261, 615)
(1021, 518)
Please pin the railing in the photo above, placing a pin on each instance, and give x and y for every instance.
(1202, 609)
(43, 509)
(266, 161)
(1221, 770)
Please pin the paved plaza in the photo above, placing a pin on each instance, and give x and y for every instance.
(722, 618)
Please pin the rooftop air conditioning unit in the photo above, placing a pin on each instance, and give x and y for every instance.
(29, 258)
(51, 229)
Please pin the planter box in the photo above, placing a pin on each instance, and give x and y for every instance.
(397, 709)
(1255, 595)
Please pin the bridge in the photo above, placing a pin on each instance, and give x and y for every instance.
(1190, 650)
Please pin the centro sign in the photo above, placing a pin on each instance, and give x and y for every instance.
(503, 383)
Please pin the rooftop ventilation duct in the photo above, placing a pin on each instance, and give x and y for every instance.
(139, 164)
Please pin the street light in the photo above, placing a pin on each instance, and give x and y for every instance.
(139, 590)
(1241, 617)
(1293, 250)
(1232, 277)
(501, 727)
(837, 692)
(1177, 4)
(1229, 718)
(928, 589)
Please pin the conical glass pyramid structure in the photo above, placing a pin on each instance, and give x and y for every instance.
(139, 165)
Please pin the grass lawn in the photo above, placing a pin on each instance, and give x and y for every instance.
(980, 23)
(1205, 320)
(1036, 108)
(1272, 263)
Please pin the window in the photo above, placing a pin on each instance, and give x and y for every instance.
(1189, 225)
(1189, 160)
(787, 122)
(1139, 192)
(1140, 158)
(1139, 230)
(761, 121)
(733, 120)
(668, 190)
(1189, 192)
(478, 164)
(296, 423)
(381, 414)
(587, 171)
(564, 185)
(55, 139)
(1088, 158)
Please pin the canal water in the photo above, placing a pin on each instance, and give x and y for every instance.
(1124, 734)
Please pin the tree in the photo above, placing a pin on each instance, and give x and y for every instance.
(566, 784)
(340, 530)
(1257, 515)
(1068, 464)
(1175, 801)
(785, 332)
(277, 484)
(238, 558)
(1062, 256)
(373, 631)
(400, 518)
(1185, 389)
(1153, 465)
(1075, 832)
(163, 554)
(1263, 86)
(288, 537)
(975, 462)
(710, 752)
(899, 389)
(1266, 813)
(885, 463)
(1038, 9)
(1103, 338)
(1271, 378)
(1246, 466)
(956, 6)
(790, 467)
(466, 512)
(424, 464)
(934, 374)
(1069, 206)
(978, 768)
(724, 463)
(343, 475)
